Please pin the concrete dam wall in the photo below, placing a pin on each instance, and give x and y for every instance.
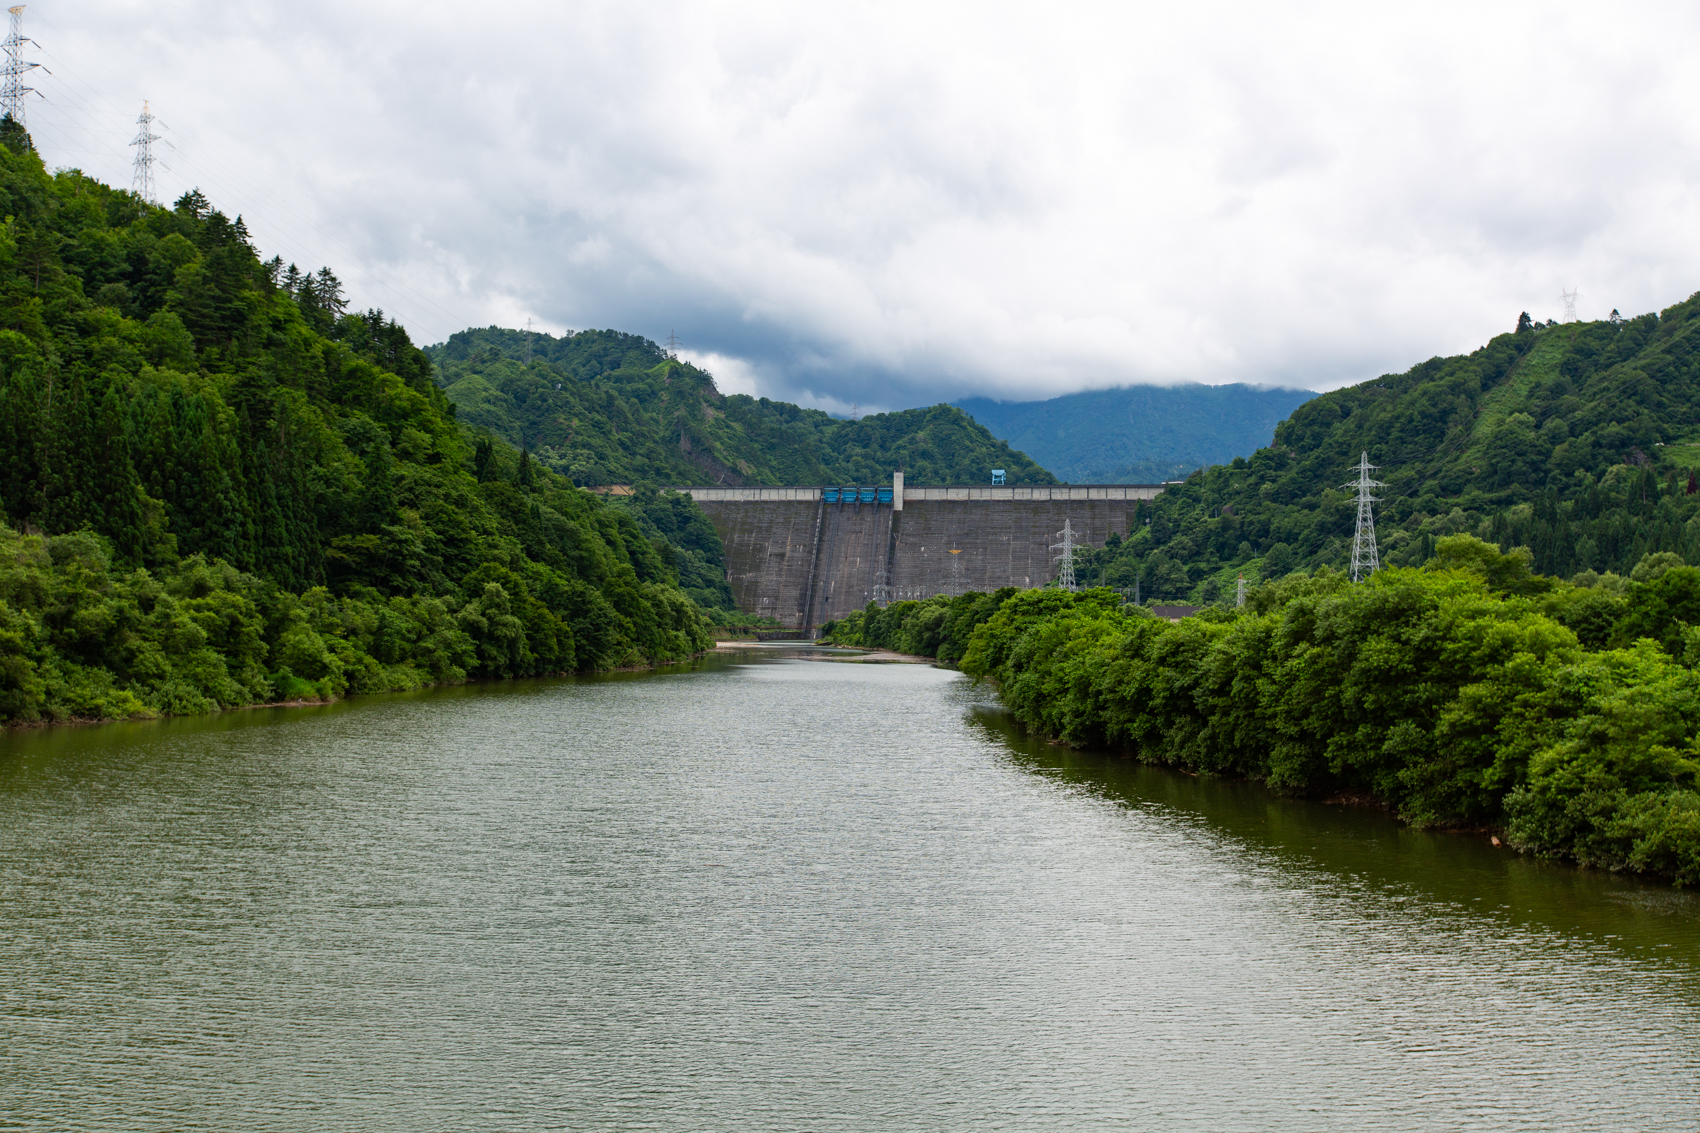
(804, 556)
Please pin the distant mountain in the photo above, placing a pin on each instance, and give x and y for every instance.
(609, 408)
(1138, 434)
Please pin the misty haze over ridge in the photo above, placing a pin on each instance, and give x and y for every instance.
(1139, 434)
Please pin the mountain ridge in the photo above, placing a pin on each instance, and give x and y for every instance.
(1578, 441)
(604, 407)
(1139, 433)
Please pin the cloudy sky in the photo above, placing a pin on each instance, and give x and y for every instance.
(895, 204)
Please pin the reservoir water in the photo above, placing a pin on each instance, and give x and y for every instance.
(784, 894)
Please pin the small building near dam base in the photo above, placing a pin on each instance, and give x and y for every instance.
(807, 555)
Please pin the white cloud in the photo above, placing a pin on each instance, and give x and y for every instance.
(731, 375)
(896, 204)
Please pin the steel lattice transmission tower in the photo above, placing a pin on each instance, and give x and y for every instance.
(141, 183)
(1569, 298)
(12, 94)
(1365, 561)
(1239, 592)
(1065, 573)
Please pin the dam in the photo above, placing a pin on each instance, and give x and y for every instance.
(807, 555)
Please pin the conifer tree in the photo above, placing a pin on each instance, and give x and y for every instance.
(193, 204)
(115, 492)
(330, 292)
(73, 453)
(21, 439)
(483, 453)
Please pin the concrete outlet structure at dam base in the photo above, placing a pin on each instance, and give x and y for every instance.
(805, 556)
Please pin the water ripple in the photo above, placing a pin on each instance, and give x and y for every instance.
(784, 896)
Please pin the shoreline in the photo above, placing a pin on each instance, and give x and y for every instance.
(863, 656)
(86, 721)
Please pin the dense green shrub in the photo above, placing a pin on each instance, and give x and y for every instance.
(81, 639)
(938, 627)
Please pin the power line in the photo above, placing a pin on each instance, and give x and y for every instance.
(302, 231)
(13, 92)
(1365, 560)
(1065, 573)
(142, 182)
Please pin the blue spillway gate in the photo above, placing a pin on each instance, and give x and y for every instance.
(856, 495)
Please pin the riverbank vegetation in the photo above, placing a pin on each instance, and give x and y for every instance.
(1470, 692)
(221, 486)
(938, 627)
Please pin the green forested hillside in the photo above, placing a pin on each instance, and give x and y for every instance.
(609, 408)
(220, 486)
(1139, 434)
(1578, 441)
